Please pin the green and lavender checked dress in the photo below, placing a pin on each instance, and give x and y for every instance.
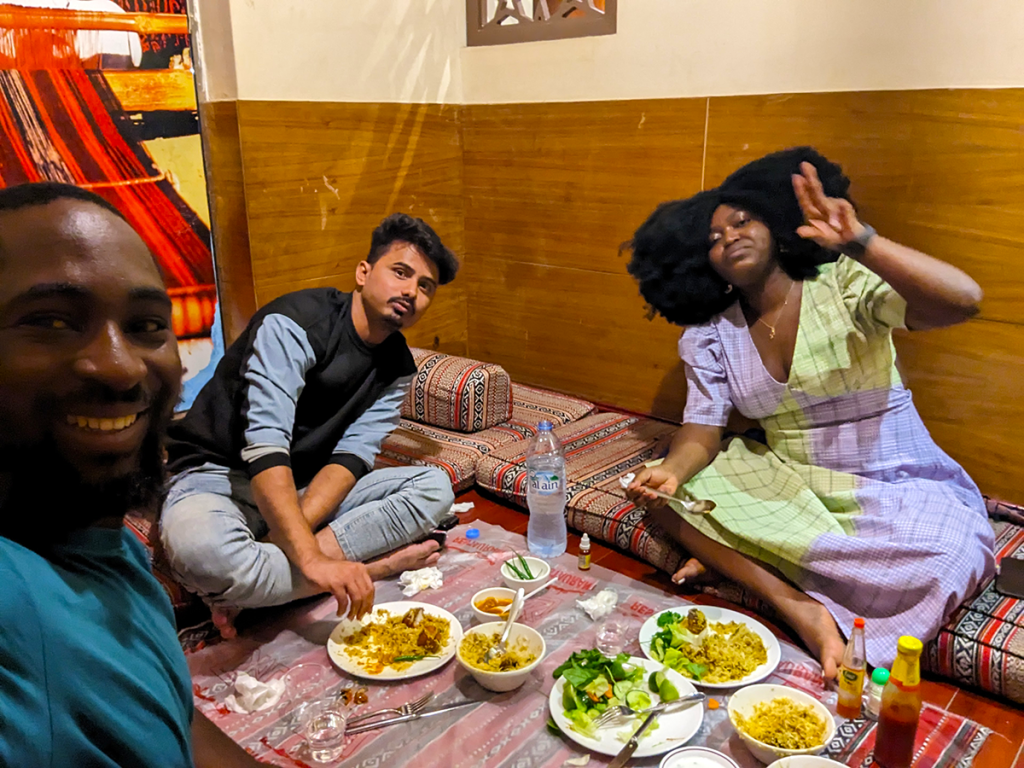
(851, 499)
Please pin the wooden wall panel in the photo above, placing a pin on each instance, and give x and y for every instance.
(574, 330)
(551, 191)
(226, 189)
(320, 176)
(966, 382)
(942, 171)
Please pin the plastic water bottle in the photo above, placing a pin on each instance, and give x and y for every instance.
(545, 493)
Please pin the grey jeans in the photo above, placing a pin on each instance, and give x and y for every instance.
(210, 529)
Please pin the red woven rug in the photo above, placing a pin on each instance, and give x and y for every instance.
(506, 730)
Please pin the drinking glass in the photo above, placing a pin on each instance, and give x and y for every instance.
(325, 734)
(611, 636)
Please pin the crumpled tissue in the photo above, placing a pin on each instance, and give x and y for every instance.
(626, 479)
(600, 605)
(458, 509)
(414, 582)
(253, 696)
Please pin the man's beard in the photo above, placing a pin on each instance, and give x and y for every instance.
(46, 497)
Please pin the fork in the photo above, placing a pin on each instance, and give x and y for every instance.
(624, 710)
(411, 708)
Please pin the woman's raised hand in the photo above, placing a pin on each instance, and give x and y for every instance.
(830, 221)
(656, 478)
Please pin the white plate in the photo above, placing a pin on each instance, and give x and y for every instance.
(349, 664)
(674, 729)
(721, 616)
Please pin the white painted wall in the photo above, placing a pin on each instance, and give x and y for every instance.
(414, 50)
(676, 48)
(349, 50)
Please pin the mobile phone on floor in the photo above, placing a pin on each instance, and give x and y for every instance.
(1010, 580)
(440, 532)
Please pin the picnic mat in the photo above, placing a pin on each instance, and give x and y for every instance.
(505, 730)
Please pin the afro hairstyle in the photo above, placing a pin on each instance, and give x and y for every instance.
(670, 251)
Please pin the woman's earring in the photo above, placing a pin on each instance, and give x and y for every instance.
(728, 287)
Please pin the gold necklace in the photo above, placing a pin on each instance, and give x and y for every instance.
(778, 314)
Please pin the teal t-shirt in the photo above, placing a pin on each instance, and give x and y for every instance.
(91, 672)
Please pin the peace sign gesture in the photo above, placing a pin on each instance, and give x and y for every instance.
(831, 222)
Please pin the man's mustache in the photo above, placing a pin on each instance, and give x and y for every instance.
(96, 393)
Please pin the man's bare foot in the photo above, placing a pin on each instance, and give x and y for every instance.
(818, 630)
(224, 621)
(691, 569)
(421, 555)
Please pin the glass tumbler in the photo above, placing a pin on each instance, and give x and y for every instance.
(324, 731)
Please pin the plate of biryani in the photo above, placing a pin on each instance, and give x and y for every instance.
(396, 641)
(713, 647)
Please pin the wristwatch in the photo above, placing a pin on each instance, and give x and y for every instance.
(859, 244)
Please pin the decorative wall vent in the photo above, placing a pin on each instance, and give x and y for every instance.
(496, 22)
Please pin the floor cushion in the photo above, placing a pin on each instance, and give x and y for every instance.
(457, 453)
(982, 645)
(457, 393)
(598, 449)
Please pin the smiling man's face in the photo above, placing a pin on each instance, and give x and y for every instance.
(89, 367)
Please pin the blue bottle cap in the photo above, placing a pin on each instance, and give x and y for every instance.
(473, 533)
(545, 426)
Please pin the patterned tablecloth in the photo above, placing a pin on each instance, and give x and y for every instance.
(504, 730)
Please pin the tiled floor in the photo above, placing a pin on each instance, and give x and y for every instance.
(1004, 749)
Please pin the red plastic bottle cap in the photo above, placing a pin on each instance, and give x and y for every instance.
(858, 623)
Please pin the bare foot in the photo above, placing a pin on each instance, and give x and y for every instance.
(410, 558)
(691, 569)
(818, 630)
(224, 621)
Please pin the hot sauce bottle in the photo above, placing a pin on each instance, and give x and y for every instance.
(901, 707)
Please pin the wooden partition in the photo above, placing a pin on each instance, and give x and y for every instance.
(320, 176)
(552, 189)
(537, 198)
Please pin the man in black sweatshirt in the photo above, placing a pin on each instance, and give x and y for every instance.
(274, 497)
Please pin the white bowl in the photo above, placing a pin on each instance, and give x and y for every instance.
(697, 757)
(743, 702)
(806, 761)
(505, 681)
(538, 567)
(499, 592)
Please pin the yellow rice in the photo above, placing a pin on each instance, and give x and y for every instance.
(475, 645)
(785, 724)
(378, 643)
(730, 651)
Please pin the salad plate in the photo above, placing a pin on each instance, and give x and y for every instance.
(656, 626)
(634, 677)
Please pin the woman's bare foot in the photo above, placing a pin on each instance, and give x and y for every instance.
(691, 569)
(421, 555)
(224, 621)
(818, 630)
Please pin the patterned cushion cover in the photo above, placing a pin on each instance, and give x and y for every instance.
(599, 449)
(457, 453)
(982, 645)
(457, 393)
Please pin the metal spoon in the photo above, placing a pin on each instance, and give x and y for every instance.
(513, 612)
(694, 506)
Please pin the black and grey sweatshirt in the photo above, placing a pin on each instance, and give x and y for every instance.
(300, 388)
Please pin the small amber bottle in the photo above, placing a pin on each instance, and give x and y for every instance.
(584, 558)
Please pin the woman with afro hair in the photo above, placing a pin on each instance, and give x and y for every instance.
(850, 509)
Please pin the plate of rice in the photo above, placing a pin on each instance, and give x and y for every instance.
(396, 641)
(714, 647)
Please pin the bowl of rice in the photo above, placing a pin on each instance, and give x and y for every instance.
(525, 651)
(776, 721)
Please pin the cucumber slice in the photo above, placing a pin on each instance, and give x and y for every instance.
(621, 688)
(638, 699)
